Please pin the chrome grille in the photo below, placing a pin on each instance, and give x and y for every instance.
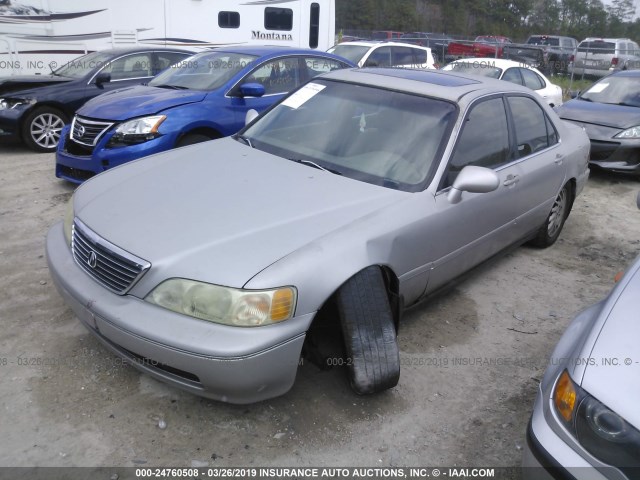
(113, 267)
(88, 132)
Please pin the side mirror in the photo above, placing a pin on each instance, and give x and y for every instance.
(250, 116)
(252, 90)
(103, 77)
(574, 93)
(474, 180)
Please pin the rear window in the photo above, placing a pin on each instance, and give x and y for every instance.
(540, 40)
(597, 47)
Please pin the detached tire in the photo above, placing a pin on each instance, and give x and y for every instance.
(41, 128)
(369, 332)
(550, 231)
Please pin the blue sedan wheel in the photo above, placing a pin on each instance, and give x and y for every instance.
(42, 127)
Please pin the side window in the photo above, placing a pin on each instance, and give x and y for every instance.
(277, 76)
(317, 65)
(166, 59)
(278, 18)
(484, 140)
(513, 75)
(229, 19)
(420, 56)
(380, 57)
(131, 66)
(402, 56)
(531, 126)
(531, 79)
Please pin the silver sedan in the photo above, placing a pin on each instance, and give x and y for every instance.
(362, 193)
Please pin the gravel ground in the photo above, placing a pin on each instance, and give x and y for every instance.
(472, 358)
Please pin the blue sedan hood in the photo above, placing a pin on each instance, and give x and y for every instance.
(137, 101)
(616, 116)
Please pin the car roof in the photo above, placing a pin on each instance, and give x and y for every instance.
(434, 83)
(625, 73)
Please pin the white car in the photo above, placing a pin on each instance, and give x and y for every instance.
(386, 54)
(511, 71)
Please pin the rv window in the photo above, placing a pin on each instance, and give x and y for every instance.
(229, 20)
(314, 25)
(278, 18)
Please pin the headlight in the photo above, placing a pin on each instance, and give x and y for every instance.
(68, 220)
(631, 133)
(11, 103)
(137, 131)
(229, 306)
(602, 432)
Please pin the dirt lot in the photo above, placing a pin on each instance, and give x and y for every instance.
(66, 401)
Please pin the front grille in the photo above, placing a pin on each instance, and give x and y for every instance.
(76, 173)
(88, 132)
(113, 267)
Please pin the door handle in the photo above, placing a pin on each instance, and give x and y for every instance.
(511, 180)
(559, 159)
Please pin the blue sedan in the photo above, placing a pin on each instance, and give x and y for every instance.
(204, 97)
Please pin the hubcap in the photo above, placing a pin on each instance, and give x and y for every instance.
(557, 213)
(45, 130)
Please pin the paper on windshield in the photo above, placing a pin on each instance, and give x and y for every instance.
(303, 95)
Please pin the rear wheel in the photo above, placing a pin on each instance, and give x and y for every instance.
(550, 231)
(372, 352)
(42, 127)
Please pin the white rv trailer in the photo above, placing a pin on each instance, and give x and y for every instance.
(36, 35)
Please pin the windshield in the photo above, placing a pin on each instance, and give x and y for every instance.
(205, 71)
(369, 134)
(617, 90)
(351, 52)
(81, 66)
(484, 68)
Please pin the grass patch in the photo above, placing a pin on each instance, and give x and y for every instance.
(567, 85)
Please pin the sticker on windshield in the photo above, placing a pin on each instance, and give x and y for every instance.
(303, 95)
(599, 87)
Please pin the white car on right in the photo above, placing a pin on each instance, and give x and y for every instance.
(386, 54)
(511, 71)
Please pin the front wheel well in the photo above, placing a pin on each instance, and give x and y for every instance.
(212, 133)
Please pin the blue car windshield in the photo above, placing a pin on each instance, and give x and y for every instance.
(371, 134)
(205, 71)
(616, 90)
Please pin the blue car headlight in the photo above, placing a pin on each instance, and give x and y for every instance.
(601, 431)
(138, 130)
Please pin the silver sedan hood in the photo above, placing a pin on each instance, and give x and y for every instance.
(617, 384)
(220, 211)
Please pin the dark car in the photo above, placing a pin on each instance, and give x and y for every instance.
(609, 111)
(34, 108)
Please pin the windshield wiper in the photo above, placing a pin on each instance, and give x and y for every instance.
(315, 165)
(244, 139)
(175, 87)
(585, 99)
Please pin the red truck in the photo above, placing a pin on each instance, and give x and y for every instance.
(482, 46)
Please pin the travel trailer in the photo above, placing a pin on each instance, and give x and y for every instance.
(37, 36)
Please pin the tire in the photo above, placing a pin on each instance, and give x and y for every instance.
(550, 230)
(369, 332)
(191, 139)
(41, 128)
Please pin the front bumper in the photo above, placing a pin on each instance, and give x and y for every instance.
(10, 123)
(617, 156)
(204, 358)
(77, 168)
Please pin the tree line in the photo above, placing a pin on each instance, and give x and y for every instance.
(516, 19)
